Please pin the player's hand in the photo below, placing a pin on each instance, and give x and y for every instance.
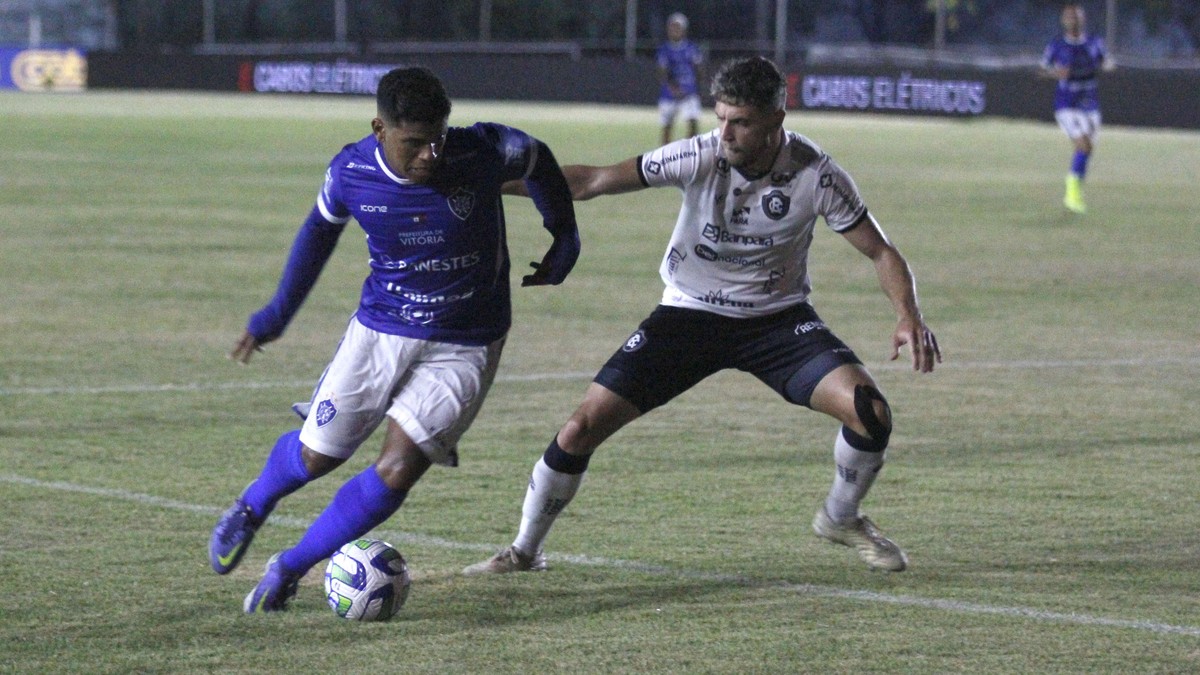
(923, 343)
(557, 262)
(245, 348)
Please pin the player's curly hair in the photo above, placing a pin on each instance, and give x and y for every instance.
(754, 81)
(411, 95)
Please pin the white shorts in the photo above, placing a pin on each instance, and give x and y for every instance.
(688, 107)
(1078, 123)
(433, 390)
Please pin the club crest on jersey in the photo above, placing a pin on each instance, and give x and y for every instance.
(635, 341)
(776, 204)
(461, 203)
(326, 411)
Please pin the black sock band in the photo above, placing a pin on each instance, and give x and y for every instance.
(860, 442)
(558, 459)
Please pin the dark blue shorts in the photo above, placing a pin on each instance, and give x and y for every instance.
(675, 348)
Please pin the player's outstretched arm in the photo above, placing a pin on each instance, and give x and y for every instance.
(896, 279)
(590, 181)
(312, 247)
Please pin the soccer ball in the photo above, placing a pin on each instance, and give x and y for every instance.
(366, 580)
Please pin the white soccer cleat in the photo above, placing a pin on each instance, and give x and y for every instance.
(879, 552)
(510, 559)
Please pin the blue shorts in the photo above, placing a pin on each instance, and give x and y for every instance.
(676, 348)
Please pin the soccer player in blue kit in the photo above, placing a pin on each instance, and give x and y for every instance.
(1075, 58)
(680, 69)
(737, 296)
(423, 347)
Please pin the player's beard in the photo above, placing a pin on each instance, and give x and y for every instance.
(744, 158)
(740, 157)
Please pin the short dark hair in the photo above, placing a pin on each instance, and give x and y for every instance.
(411, 94)
(753, 81)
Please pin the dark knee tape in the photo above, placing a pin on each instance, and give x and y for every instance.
(563, 462)
(864, 406)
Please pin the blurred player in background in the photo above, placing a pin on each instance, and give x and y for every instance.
(737, 296)
(1075, 58)
(680, 69)
(423, 347)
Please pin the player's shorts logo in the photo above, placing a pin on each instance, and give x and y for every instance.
(635, 342)
(326, 411)
(809, 326)
(776, 204)
(461, 203)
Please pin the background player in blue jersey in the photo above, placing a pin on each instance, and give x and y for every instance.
(680, 68)
(736, 296)
(423, 347)
(1075, 58)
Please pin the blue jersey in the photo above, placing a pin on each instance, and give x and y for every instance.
(680, 60)
(438, 253)
(1083, 59)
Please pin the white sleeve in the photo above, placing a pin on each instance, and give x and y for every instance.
(678, 163)
(837, 198)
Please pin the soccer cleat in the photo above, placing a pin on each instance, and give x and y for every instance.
(231, 537)
(510, 559)
(879, 552)
(1073, 199)
(274, 590)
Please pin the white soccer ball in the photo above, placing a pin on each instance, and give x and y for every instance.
(367, 580)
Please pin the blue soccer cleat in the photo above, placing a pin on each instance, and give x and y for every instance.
(274, 590)
(231, 537)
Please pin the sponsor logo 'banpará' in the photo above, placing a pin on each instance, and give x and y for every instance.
(720, 235)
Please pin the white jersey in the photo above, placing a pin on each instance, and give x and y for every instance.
(740, 246)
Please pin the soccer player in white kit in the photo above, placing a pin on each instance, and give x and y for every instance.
(423, 346)
(736, 296)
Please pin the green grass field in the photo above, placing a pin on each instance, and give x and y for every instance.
(1043, 480)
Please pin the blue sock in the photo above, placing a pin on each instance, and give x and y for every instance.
(283, 474)
(360, 504)
(1079, 163)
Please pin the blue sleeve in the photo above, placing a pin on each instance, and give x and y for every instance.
(1048, 55)
(552, 196)
(310, 251)
(550, 193)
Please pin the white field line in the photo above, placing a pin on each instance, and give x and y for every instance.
(814, 590)
(900, 364)
(233, 386)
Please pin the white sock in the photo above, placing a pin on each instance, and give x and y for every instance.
(856, 471)
(549, 493)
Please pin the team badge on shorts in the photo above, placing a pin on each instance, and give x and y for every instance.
(634, 342)
(326, 411)
(776, 204)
